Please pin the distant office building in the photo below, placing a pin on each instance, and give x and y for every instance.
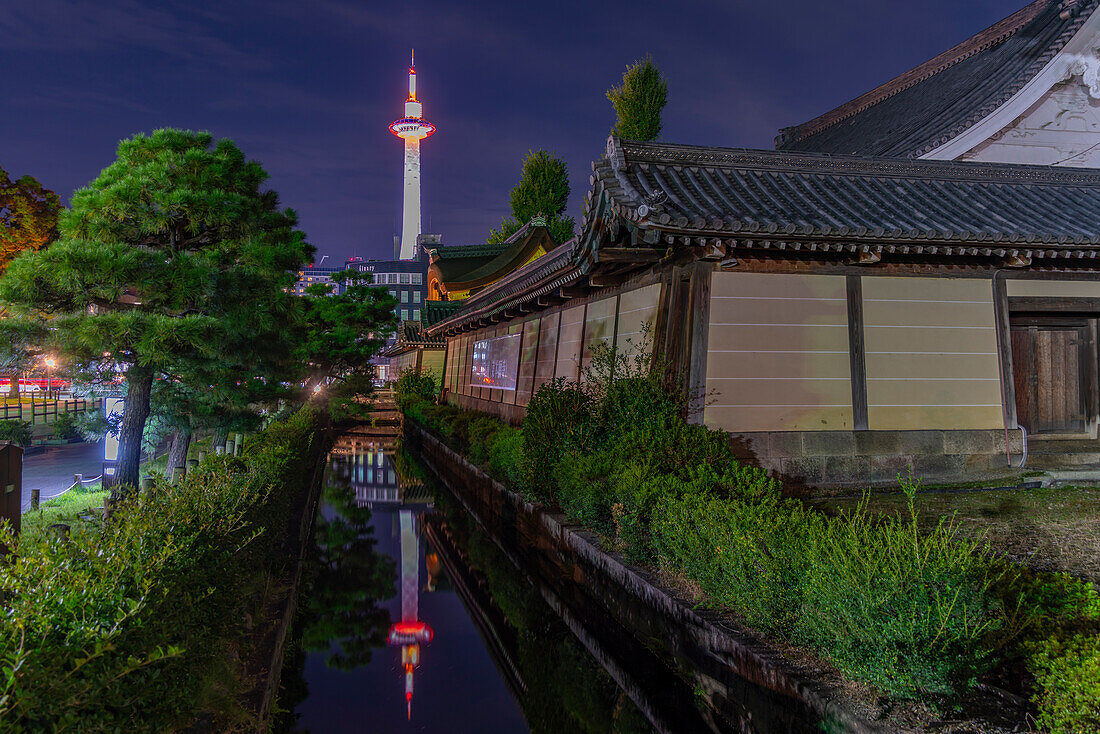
(313, 275)
(406, 280)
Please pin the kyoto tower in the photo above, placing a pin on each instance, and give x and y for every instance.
(412, 128)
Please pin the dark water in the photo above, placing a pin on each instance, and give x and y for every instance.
(396, 562)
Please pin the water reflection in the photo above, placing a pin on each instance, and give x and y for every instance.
(399, 564)
(375, 586)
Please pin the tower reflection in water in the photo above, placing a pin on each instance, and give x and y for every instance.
(377, 485)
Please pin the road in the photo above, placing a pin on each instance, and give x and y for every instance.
(52, 470)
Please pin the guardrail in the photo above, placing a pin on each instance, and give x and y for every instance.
(46, 408)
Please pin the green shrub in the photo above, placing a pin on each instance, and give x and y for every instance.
(16, 431)
(506, 458)
(413, 384)
(905, 610)
(1068, 676)
(478, 430)
(133, 625)
(559, 422)
(65, 426)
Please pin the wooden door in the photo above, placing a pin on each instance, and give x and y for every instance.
(1049, 365)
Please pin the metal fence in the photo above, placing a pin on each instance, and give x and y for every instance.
(45, 408)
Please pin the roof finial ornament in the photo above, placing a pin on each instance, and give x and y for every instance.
(539, 220)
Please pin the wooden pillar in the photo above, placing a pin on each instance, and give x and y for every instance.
(857, 354)
(1002, 319)
(698, 319)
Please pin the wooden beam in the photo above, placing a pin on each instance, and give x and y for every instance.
(627, 255)
(573, 291)
(1054, 304)
(857, 355)
(601, 280)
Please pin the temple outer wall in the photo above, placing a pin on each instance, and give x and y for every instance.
(823, 377)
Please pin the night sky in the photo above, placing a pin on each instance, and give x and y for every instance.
(309, 88)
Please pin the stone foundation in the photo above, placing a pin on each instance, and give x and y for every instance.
(511, 414)
(876, 458)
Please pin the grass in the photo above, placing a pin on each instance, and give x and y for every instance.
(67, 508)
(1055, 529)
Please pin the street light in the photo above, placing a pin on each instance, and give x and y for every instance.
(50, 364)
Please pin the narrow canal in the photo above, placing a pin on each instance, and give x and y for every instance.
(414, 619)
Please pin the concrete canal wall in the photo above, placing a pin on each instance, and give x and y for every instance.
(742, 679)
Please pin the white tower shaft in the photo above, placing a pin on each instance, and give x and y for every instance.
(410, 220)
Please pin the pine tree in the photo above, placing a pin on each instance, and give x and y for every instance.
(341, 334)
(543, 189)
(638, 101)
(172, 257)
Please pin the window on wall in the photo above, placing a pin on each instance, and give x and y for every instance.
(416, 296)
(417, 279)
(404, 296)
(404, 314)
(393, 293)
(416, 314)
(405, 278)
(495, 362)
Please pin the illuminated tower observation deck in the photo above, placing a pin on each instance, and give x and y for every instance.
(412, 128)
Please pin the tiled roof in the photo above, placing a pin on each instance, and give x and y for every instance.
(435, 311)
(928, 106)
(769, 195)
(461, 267)
(651, 200)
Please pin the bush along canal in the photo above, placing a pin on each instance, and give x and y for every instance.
(419, 614)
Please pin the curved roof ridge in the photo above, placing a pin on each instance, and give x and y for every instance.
(1070, 12)
(679, 154)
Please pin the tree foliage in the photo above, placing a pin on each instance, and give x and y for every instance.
(543, 189)
(173, 259)
(340, 334)
(28, 216)
(638, 101)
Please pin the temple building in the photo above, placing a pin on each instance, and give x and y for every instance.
(456, 272)
(907, 283)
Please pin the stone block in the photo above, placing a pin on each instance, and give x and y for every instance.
(887, 469)
(787, 444)
(808, 470)
(847, 469)
(752, 446)
(828, 443)
(878, 443)
(970, 442)
(943, 467)
(918, 443)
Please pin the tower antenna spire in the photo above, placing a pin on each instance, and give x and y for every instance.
(412, 128)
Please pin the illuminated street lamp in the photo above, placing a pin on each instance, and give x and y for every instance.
(50, 364)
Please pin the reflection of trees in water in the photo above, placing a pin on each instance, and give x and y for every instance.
(567, 690)
(347, 579)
